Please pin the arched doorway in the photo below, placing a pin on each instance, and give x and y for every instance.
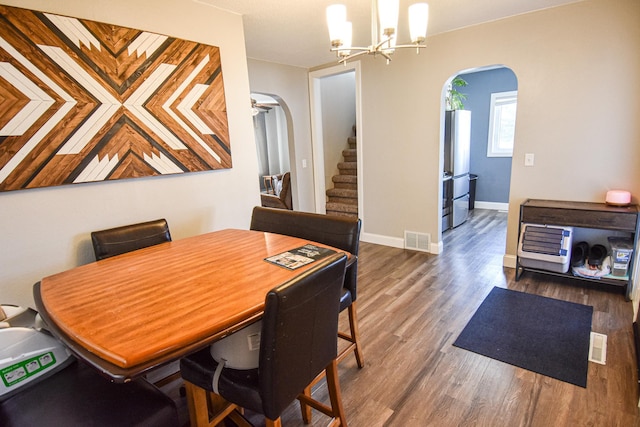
(274, 144)
(489, 168)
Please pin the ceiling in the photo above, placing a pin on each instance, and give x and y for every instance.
(294, 32)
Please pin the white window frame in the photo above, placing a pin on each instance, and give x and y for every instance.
(498, 98)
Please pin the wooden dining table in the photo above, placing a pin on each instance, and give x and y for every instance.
(131, 313)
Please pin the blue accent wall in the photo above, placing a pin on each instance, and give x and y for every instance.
(494, 173)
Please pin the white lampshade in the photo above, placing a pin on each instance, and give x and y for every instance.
(336, 18)
(346, 40)
(418, 20)
(388, 16)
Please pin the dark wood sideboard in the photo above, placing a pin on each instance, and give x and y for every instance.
(598, 216)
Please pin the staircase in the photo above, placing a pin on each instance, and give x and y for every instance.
(342, 199)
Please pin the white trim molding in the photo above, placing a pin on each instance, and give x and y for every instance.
(496, 206)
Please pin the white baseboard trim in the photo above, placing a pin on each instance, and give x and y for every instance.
(496, 206)
(509, 261)
(394, 242)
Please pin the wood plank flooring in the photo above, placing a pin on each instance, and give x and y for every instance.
(412, 306)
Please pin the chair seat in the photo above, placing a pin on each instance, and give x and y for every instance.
(235, 385)
(346, 299)
(79, 396)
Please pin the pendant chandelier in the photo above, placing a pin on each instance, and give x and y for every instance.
(384, 16)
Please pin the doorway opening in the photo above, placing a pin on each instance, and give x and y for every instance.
(491, 135)
(335, 118)
(274, 145)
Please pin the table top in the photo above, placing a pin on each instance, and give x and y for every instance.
(156, 304)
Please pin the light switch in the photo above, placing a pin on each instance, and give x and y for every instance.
(304, 163)
(528, 159)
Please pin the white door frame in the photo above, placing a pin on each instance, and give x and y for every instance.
(317, 141)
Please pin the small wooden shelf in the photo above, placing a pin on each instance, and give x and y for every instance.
(598, 216)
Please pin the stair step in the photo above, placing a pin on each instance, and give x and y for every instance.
(341, 207)
(350, 158)
(343, 201)
(346, 186)
(341, 195)
(345, 214)
(348, 168)
(343, 192)
(345, 181)
(350, 155)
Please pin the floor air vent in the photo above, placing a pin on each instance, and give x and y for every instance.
(417, 241)
(598, 348)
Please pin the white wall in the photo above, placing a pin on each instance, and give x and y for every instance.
(578, 109)
(338, 100)
(44, 231)
(283, 139)
(277, 140)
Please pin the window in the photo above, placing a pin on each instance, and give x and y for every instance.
(502, 124)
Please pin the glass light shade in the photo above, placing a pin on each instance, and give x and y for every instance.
(388, 16)
(336, 18)
(346, 41)
(418, 20)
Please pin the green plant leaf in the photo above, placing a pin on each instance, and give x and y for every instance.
(459, 81)
(456, 98)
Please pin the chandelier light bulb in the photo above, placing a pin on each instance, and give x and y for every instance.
(347, 34)
(418, 21)
(388, 16)
(336, 19)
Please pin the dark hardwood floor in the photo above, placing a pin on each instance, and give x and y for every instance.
(412, 306)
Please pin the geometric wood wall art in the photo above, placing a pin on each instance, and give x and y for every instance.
(84, 101)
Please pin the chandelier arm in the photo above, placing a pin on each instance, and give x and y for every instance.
(353, 55)
(378, 46)
(413, 45)
(341, 49)
(386, 55)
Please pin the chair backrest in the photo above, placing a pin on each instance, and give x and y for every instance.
(119, 240)
(337, 231)
(299, 330)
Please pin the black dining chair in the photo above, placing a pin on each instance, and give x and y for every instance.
(127, 238)
(298, 341)
(337, 231)
(119, 240)
(78, 396)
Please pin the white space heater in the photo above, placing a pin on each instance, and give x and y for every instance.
(545, 247)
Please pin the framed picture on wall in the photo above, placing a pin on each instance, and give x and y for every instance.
(85, 101)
